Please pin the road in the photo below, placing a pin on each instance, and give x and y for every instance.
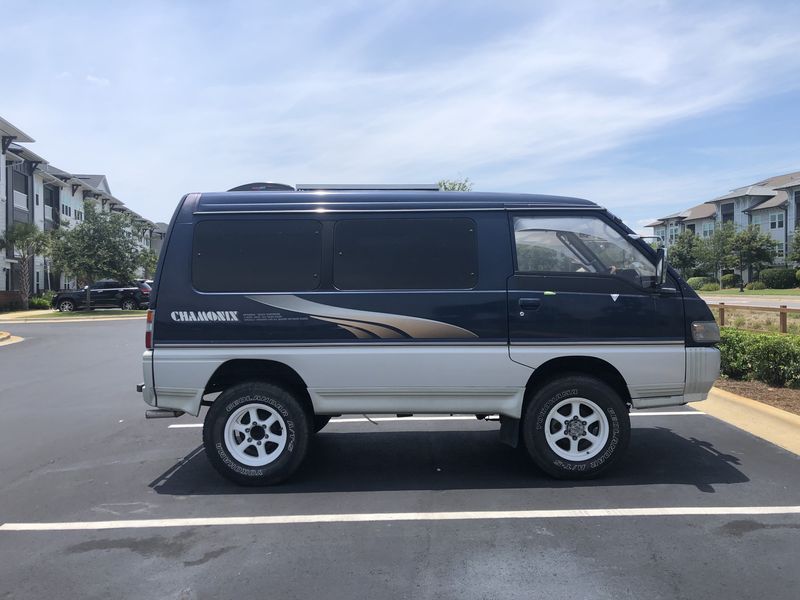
(75, 448)
(776, 301)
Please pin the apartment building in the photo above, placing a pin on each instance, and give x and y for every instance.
(772, 205)
(34, 191)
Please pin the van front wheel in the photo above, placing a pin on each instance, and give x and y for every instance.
(256, 434)
(575, 427)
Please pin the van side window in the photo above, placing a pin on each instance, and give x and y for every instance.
(578, 245)
(405, 254)
(257, 255)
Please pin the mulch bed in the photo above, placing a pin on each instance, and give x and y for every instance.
(784, 398)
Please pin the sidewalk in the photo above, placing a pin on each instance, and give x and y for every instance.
(767, 422)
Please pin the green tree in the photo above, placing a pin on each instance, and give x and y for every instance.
(148, 261)
(27, 241)
(684, 254)
(102, 245)
(717, 251)
(753, 249)
(794, 246)
(455, 185)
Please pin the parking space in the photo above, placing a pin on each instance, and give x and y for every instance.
(384, 507)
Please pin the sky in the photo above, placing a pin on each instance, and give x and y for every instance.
(646, 107)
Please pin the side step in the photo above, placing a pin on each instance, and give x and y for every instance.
(162, 413)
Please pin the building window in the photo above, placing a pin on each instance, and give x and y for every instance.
(727, 212)
(776, 220)
(779, 250)
(708, 229)
(405, 254)
(674, 230)
(257, 256)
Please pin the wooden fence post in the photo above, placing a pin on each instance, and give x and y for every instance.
(722, 314)
(784, 327)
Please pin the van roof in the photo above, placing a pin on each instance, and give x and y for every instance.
(376, 200)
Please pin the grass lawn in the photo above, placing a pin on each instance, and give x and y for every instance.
(736, 292)
(80, 314)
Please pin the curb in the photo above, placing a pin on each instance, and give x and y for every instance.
(4, 335)
(69, 320)
(777, 426)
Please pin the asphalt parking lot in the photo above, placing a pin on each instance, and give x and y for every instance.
(422, 508)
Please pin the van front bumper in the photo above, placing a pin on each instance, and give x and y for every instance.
(702, 370)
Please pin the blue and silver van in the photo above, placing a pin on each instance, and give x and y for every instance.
(278, 309)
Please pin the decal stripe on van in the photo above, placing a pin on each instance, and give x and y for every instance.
(376, 324)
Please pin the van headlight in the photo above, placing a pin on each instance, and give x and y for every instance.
(705, 332)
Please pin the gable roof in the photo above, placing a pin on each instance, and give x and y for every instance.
(769, 193)
(99, 182)
(701, 211)
(779, 199)
(7, 129)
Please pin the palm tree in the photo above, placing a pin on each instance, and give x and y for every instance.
(27, 241)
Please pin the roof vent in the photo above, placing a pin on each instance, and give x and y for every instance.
(263, 187)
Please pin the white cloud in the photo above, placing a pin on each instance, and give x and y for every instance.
(342, 93)
(98, 81)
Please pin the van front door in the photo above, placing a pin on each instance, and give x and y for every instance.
(581, 288)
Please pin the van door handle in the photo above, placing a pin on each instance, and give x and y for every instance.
(530, 303)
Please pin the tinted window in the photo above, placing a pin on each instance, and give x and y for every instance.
(256, 256)
(405, 254)
(578, 245)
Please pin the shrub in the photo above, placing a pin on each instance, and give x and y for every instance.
(797, 276)
(38, 303)
(755, 285)
(698, 282)
(730, 280)
(769, 357)
(779, 279)
(710, 287)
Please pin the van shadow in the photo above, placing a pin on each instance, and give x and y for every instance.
(445, 460)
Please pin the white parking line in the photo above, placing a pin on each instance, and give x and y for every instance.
(667, 511)
(455, 418)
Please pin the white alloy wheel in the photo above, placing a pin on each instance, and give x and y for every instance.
(255, 434)
(576, 429)
(128, 304)
(66, 306)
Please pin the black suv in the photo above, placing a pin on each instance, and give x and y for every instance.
(105, 293)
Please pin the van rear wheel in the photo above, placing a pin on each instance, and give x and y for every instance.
(575, 427)
(256, 434)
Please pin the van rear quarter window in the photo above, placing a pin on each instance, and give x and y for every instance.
(405, 254)
(257, 255)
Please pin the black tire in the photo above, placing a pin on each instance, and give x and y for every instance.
(130, 303)
(66, 305)
(320, 421)
(273, 398)
(562, 390)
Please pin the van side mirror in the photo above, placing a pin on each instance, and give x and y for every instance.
(661, 267)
